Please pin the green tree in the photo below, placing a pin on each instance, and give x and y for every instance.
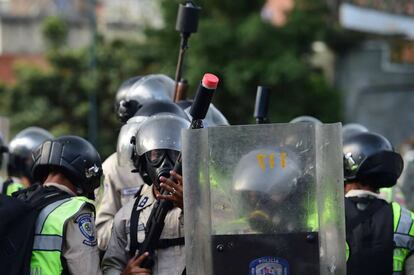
(55, 32)
(234, 42)
(57, 98)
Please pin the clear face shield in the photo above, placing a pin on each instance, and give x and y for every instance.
(158, 143)
(160, 132)
(156, 157)
(125, 148)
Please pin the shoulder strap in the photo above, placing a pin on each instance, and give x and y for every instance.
(133, 225)
(165, 243)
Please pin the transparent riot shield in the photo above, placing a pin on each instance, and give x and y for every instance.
(264, 199)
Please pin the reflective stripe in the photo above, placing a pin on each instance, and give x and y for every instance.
(403, 236)
(405, 223)
(401, 240)
(46, 253)
(45, 213)
(36, 271)
(47, 242)
(412, 225)
(400, 254)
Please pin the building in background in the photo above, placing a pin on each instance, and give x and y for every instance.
(376, 72)
(21, 26)
(377, 75)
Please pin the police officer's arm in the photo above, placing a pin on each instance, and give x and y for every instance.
(108, 203)
(116, 257)
(80, 249)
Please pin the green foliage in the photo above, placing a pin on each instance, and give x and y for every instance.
(57, 99)
(232, 41)
(54, 31)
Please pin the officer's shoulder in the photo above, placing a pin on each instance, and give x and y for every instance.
(83, 203)
(85, 223)
(110, 163)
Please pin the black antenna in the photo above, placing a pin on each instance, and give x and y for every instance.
(262, 104)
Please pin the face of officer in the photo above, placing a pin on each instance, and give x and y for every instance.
(267, 181)
(262, 211)
(159, 163)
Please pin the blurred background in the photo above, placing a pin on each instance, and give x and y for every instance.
(62, 61)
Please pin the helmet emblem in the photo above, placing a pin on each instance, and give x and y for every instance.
(350, 162)
(92, 171)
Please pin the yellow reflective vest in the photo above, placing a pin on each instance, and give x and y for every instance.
(403, 237)
(49, 235)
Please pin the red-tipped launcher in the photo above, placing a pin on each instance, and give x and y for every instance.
(204, 96)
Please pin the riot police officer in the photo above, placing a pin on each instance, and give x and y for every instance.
(120, 185)
(158, 142)
(65, 237)
(20, 161)
(268, 189)
(379, 234)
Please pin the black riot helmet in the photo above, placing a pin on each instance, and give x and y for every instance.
(369, 158)
(157, 144)
(72, 156)
(21, 148)
(137, 91)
